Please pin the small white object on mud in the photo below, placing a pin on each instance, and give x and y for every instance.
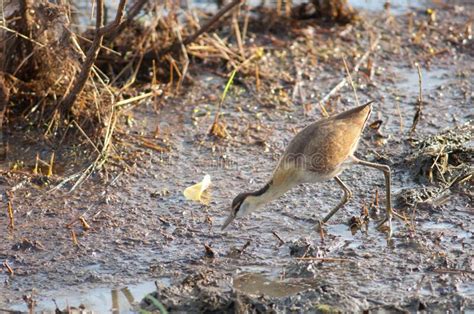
(195, 191)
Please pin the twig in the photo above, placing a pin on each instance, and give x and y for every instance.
(278, 7)
(84, 223)
(4, 99)
(85, 135)
(186, 60)
(8, 267)
(278, 237)
(349, 76)
(89, 41)
(50, 166)
(205, 28)
(419, 103)
(246, 245)
(435, 164)
(10, 215)
(133, 99)
(22, 36)
(321, 231)
(64, 181)
(343, 82)
(131, 14)
(68, 99)
(413, 215)
(298, 89)
(238, 35)
(74, 238)
(78, 218)
(246, 23)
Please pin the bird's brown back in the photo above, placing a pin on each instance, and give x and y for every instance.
(324, 145)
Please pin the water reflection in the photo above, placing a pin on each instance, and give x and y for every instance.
(97, 300)
(258, 284)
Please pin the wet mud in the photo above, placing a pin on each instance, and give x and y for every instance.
(141, 232)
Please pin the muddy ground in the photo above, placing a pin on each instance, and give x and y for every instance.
(143, 230)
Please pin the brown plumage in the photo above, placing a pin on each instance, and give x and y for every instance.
(323, 146)
(319, 152)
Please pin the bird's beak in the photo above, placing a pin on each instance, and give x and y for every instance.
(228, 221)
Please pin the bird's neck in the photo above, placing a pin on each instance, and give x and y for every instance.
(267, 193)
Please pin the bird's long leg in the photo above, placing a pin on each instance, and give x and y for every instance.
(347, 196)
(386, 171)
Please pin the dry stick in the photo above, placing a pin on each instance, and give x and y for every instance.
(27, 22)
(23, 62)
(278, 238)
(77, 218)
(135, 9)
(50, 166)
(85, 135)
(84, 223)
(131, 14)
(419, 102)
(97, 72)
(186, 60)
(238, 35)
(298, 89)
(205, 28)
(246, 245)
(413, 215)
(99, 161)
(246, 24)
(351, 81)
(343, 82)
(74, 238)
(35, 169)
(10, 215)
(68, 100)
(22, 36)
(133, 77)
(4, 99)
(87, 40)
(288, 8)
(8, 267)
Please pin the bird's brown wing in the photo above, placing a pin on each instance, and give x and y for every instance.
(324, 145)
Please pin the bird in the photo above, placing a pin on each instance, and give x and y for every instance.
(319, 152)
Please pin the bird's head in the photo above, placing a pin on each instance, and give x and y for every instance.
(247, 202)
(243, 204)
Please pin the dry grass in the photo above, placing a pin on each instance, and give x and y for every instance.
(74, 84)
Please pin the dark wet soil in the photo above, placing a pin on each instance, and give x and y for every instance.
(142, 229)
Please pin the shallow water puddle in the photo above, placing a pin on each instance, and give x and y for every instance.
(259, 284)
(430, 80)
(446, 226)
(466, 289)
(97, 300)
(357, 239)
(397, 6)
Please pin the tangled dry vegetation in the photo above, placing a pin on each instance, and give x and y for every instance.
(445, 161)
(70, 85)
